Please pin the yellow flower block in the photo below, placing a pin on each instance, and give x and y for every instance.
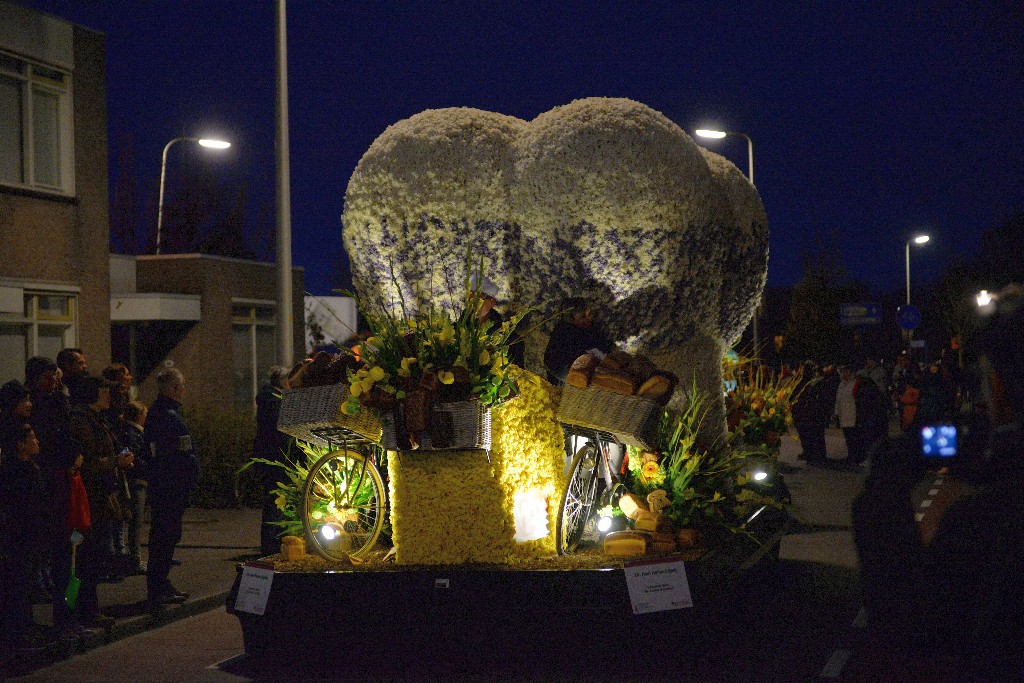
(453, 507)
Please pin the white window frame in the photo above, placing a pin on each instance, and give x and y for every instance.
(252, 322)
(31, 81)
(31, 319)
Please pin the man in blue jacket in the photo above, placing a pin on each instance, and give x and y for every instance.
(174, 473)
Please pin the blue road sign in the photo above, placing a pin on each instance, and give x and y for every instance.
(856, 315)
(908, 317)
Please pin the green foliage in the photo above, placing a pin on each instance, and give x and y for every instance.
(294, 469)
(224, 441)
(709, 487)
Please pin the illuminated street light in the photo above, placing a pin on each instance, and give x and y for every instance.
(917, 239)
(203, 142)
(983, 298)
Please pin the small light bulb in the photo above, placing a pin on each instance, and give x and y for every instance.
(760, 475)
(604, 524)
(328, 532)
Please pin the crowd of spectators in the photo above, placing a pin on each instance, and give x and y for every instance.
(79, 459)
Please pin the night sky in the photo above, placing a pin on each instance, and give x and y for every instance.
(869, 122)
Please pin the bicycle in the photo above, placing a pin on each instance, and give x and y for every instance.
(593, 483)
(344, 500)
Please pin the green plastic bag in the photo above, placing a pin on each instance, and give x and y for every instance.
(71, 592)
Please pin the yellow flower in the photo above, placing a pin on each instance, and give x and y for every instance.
(367, 383)
(446, 336)
(485, 357)
(377, 373)
(650, 469)
(356, 388)
(446, 377)
(280, 501)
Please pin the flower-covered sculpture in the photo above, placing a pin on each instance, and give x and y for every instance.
(603, 198)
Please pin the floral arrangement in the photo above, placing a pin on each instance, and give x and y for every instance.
(415, 359)
(759, 404)
(707, 487)
(603, 198)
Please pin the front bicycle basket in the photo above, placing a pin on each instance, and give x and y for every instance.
(310, 411)
(632, 420)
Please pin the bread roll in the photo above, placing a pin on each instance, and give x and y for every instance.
(581, 371)
(617, 360)
(659, 387)
(651, 521)
(688, 538)
(625, 544)
(632, 505)
(615, 380)
(641, 367)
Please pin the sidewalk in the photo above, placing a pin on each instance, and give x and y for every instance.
(212, 542)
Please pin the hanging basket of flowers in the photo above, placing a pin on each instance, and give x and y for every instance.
(432, 375)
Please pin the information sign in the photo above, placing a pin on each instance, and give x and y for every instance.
(657, 585)
(254, 588)
(856, 315)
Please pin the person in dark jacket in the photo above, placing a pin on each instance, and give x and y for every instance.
(23, 543)
(872, 417)
(271, 445)
(571, 339)
(131, 436)
(810, 415)
(948, 589)
(101, 461)
(173, 476)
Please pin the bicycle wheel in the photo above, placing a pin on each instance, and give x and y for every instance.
(343, 505)
(578, 499)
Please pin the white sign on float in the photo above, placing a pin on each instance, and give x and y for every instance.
(657, 585)
(254, 589)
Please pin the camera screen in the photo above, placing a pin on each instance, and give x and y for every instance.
(938, 441)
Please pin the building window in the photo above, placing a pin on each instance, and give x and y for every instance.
(45, 326)
(254, 340)
(35, 125)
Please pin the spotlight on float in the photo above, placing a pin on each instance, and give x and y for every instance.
(760, 475)
(984, 299)
(604, 524)
(329, 531)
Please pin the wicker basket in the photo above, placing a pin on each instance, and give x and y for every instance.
(310, 413)
(469, 426)
(631, 419)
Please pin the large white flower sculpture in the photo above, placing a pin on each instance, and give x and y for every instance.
(603, 198)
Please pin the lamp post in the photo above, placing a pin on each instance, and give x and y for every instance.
(917, 239)
(203, 142)
(718, 135)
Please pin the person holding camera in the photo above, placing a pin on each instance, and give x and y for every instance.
(944, 598)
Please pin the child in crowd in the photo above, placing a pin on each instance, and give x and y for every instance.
(133, 422)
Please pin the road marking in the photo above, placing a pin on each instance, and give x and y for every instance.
(933, 492)
(861, 620)
(834, 665)
(918, 516)
(926, 502)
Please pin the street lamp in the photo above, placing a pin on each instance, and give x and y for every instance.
(203, 142)
(917, 239)
(718, 135)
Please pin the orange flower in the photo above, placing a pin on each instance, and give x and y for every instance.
(650, 469)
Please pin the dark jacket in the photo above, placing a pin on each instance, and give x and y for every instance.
(174, 461)
(99, 451)
(24, 507)
(567, 343)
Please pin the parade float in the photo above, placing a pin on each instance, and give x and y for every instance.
(445, 502)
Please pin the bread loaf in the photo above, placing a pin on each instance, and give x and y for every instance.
(616, 360)
(581, 371)
(632, 505)
(651, 521)
(659, 387)
(641, 368)
(614, 380)
(625, 544)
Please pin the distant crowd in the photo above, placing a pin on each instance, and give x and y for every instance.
(79, 462)
(870, 400)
